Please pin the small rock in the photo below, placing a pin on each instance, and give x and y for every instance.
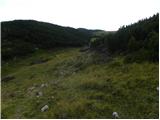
(52, 97)
(115, 115)
(157, 88)
(39, 94)
(44, 108)
(44, 85)
(31, 88)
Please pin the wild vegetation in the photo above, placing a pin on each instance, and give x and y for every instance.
(79, 86)
(117, 73)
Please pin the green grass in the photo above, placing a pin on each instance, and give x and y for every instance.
(79, 86)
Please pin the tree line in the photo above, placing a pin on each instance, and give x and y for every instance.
(138, 41)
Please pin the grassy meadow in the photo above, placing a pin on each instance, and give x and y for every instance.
(78, 84)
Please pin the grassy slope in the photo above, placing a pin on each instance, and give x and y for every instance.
(79, 88)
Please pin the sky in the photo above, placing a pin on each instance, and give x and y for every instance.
(107, 15)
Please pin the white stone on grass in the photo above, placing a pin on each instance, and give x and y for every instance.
(31, 88)
(44, 85)
(52, 97)
(157, 88)
(115, 115)
(39, 94)
(44, 108)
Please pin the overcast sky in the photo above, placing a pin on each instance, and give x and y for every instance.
(91, 14)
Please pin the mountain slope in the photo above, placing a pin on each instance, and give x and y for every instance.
(118, 72)
(20, 37)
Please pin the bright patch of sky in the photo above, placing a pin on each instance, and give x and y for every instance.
(92, 14)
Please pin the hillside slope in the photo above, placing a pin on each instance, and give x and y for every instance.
(21, 37)
(78, 85)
